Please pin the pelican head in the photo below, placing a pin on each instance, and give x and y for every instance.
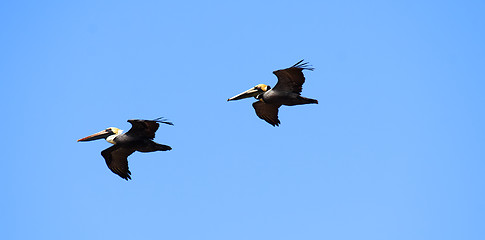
(252, 92)
(109, 134)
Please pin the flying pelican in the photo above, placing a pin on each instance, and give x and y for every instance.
(138, 138)
(286, 92)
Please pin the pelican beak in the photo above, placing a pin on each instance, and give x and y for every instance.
(253, 92)
(99, 135)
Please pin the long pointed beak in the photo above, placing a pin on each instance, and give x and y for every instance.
(96, 136)
(249, 93)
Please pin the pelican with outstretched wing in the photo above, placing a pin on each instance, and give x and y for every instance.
(286, 92)
(138, 138)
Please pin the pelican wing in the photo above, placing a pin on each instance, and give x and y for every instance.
(291, 79)
(267, 112)
(117, 160)
(145, 128)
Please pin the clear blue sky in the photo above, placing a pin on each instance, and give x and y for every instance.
(395, 149)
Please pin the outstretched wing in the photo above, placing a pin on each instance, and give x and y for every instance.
(117, 160)
(145, 128)
(291, 79)
(267, 112)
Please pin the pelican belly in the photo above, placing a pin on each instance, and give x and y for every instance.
(285, 98)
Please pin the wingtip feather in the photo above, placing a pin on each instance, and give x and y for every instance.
(163, 120)
(304, 65)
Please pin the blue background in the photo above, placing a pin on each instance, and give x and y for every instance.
(394, 149)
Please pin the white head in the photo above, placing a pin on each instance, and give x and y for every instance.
(109, 134)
